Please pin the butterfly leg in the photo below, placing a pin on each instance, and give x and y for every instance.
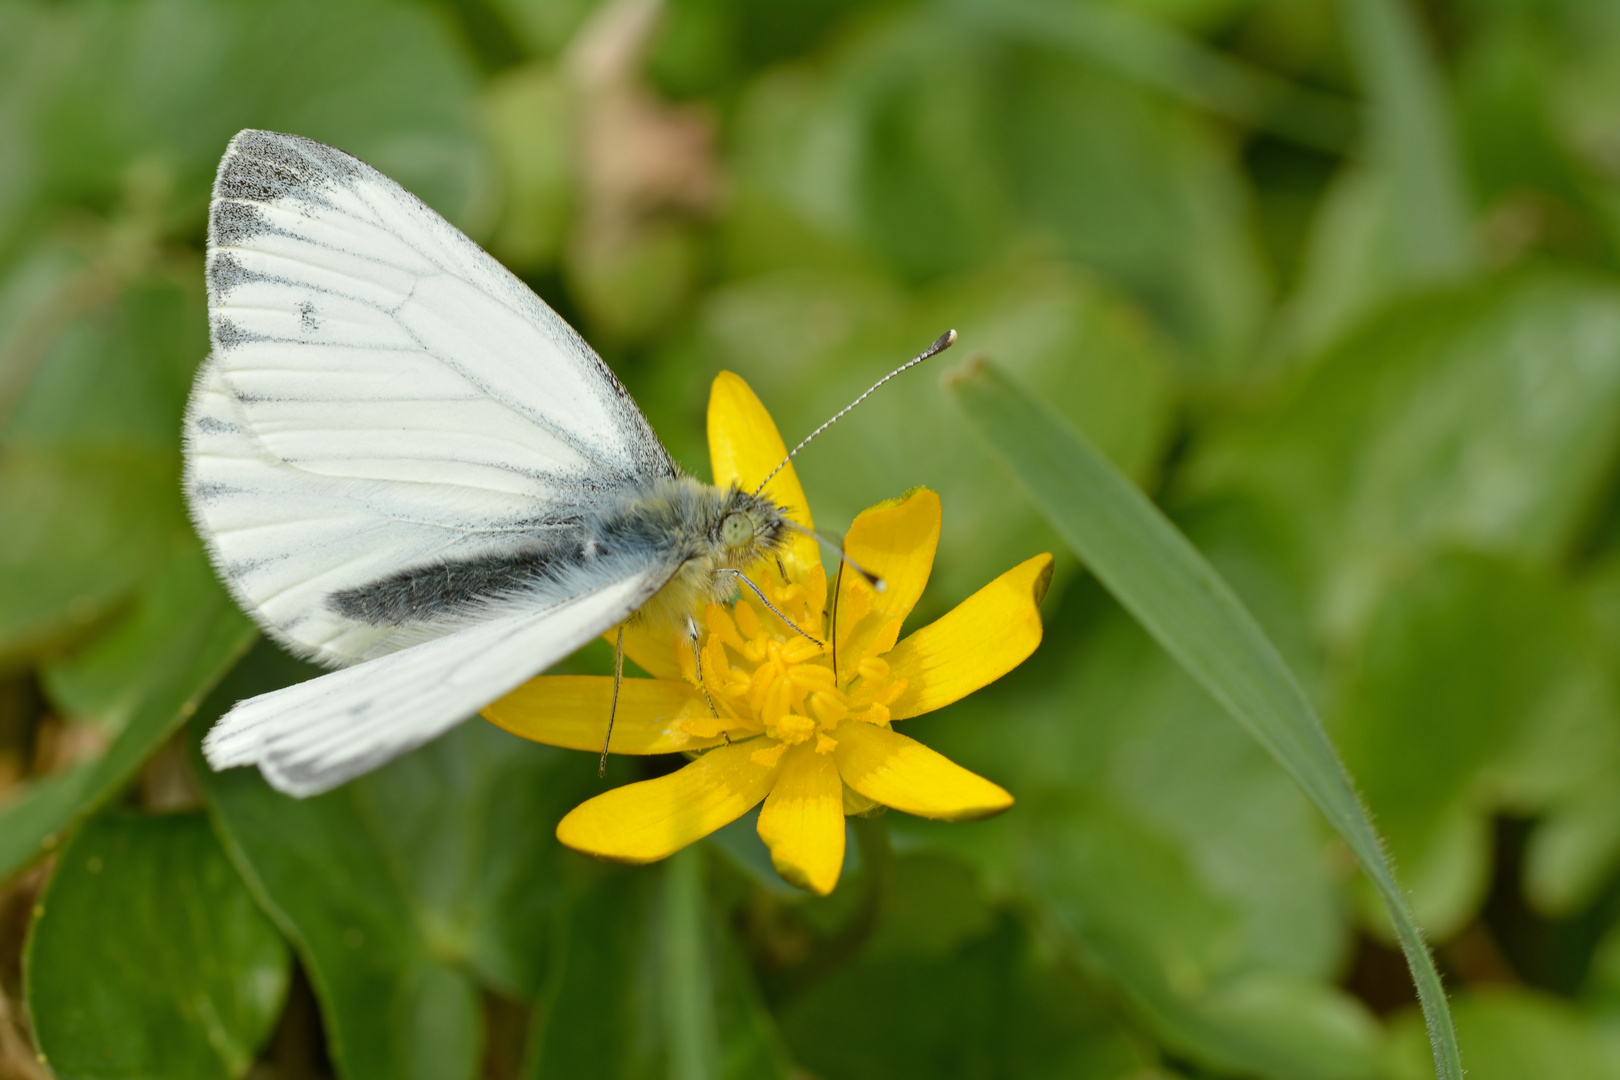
(613, 711)
(697, 659)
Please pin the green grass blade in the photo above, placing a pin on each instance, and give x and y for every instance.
(688, 998)
(1162, 580)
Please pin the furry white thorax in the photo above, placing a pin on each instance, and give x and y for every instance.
(689, 516)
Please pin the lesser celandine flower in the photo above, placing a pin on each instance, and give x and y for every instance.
(803, 727)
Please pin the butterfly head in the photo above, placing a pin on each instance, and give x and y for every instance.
(748, 527)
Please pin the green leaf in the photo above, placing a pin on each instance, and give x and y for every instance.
(871, 162)
(1398, 216)
(1507, 116)
(1160, 578)
(90, 469)
(1460, 665)
(148, 957)
(407, 889)
(1571, 765)
(1146, 50)
(647, 983)
(1481, 417)
(1147, 195)
(106, 680)
(78, 530)
(531, 114)
(987, 1005)
(120, 99)
(1580, 105)
(1127, 891)
(1410, 135)
(36, 292)
(184, 666)
(116, 374)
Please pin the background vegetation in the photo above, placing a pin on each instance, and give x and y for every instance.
(1338, 283)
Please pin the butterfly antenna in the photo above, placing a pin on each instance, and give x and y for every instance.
(941, 343)
(791, 625)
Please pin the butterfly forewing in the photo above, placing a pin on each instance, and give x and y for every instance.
(383, 397)
(393, 454)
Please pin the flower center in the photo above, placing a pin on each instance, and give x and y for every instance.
(765, 678)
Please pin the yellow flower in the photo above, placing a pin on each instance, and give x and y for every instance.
(803, 727)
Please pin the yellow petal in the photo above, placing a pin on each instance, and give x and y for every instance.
(896, 541)
(572, 711)
(803, 820)
(744, 446)
(983, 638)
(889, 768)
(642, 822)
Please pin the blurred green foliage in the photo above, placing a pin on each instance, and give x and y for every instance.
(1337, 282)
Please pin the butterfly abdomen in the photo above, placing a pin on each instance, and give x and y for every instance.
(425, 593)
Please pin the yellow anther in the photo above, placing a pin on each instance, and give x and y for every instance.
(764, 676)
(828, 707)
(777, 702)
(715, 667)
(737, 682)
(825, 744)
(811, 676)
(800, 650)
(721, 627)
(794, 728)
(874, 669)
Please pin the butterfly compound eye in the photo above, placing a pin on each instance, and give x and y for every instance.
(737, 530)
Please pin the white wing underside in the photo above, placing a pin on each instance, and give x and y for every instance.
(384, 397)
(318, 734)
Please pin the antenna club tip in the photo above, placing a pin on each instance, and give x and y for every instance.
(879, 585)
(941, 343)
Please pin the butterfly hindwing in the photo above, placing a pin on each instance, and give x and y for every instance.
(318, 734)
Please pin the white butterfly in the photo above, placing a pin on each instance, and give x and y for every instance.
(401, 459)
